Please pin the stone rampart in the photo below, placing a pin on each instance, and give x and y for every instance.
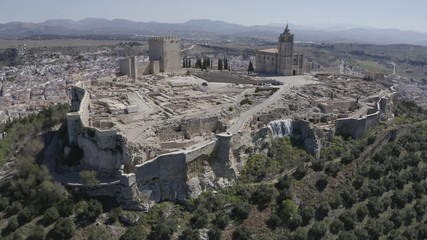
(103, 149)
(206, 149)
(357, 127)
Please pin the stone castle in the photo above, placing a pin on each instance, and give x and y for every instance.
(281, 61)
(164, 56)
(197, 162)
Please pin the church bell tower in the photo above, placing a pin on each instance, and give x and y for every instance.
(285, 52)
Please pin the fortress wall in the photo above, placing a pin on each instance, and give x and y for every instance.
(163, 178)
(357, 127)
(74, 126)
(103, 149)
(330, 106)
(188, 127)
(206, 149)
(202, 125)
(353, 127)
(164, 167)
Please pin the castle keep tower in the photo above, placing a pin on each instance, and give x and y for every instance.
(166, 50)
(285, 53)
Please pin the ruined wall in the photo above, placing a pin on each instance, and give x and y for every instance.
(104, 150)
(187, 128)
(328, 107)
(205, 149)
(125, 66)
(163, 178)
(357, 127)
(202, 125)
(151, 67)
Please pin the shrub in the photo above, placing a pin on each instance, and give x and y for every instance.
(37, 233)
(15, 208)
(4, 202)
(363, 193)
(332, 169)
(66, 207)
(374, 229)
(164, 229)
(321, 183)
(189, 234)
(50, 216)
(347, 235)
(214, 234)
(13, 223)
(25, 215)
(287, 209)
(374, 206)
(361, 233)
(420, 208)
(200, 218)
(246, 101)
(93, 210)
(89, 177)
(361, 212)
(409, 216)
(398, 200)
(294, 222)
(241, 233)
(284, 194)
(241, 211)
(284, 182)
(336, 226)
(348, 219)
(134, 233)
(317, 231)
(318, 166)
(348, 197)
(299, 234)
(263, 195)
(64, 228)
(274, 222)
(335, 201)
(306, 212)
(222, 220)
(322, 211)
(358, 182)
(376, 171)
(114, 214)
(300, 172)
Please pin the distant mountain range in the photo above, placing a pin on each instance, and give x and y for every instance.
(207, 28)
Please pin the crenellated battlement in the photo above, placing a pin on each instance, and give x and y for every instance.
(163, 38)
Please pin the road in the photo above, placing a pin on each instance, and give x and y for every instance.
(185, 49)
(288, 83)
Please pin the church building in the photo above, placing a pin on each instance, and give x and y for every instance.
(280, 61)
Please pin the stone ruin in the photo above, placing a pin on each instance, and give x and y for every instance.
(171, 139)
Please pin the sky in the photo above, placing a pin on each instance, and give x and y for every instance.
(400, 14)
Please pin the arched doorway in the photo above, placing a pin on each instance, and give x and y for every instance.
(294, 73)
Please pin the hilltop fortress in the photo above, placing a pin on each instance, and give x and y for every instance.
(170, 138)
